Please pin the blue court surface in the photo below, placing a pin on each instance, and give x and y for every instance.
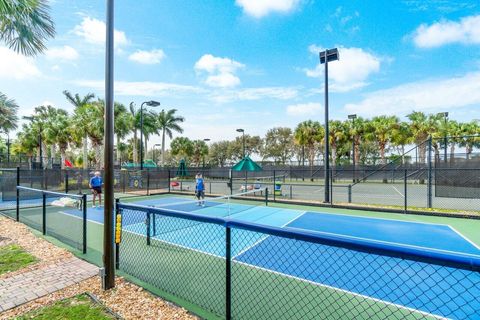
(339, 268)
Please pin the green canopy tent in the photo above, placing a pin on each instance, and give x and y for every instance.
(182, 169)
(246, 164)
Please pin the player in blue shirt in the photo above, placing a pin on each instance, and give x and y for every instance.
(95, 184)
(200, 189)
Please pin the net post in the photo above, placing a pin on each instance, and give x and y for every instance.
(429, 182)
(44, 213)
(266, 196)
(405, 191)
(349, 193)
(66, 181)
(84, 222)
(228, 273)
(117, 245)
(17, 213)
(148, 228)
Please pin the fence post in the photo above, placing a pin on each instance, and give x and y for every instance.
(228, 275)
(124, 176)
(274, 186)
(84, 221)
(231, 181)
(148, 228)
(44, 213)
(117, 245)
(148, 182)
(405, 201)
(429, 182)
(291, 192)
(349, 193)
(18, 195)
(66, 181)
(168, 170)
(266, 196)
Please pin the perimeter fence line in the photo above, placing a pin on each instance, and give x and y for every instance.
(241, 270)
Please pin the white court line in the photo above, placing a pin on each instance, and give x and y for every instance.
(267, 235)
(394, 188)
(394, 243)
(171, 243)
(343, 290)
(465, 238)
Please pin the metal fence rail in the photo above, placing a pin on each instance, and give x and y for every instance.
(60, 215)
(240, 270)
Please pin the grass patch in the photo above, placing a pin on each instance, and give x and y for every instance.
(13, 257)
(79, 307)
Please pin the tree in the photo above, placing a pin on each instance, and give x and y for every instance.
(471, 139)
(80, 119)
(168, 122)
(8, 114)
(382, 130)
(25, 25)
(401, 136)
(26, 142)
(182, 148)
(356, 130)
(338, 135)
(219, 153)
(122, 127)
(278, 144)
(253, 145)
(309, 134)
(58, 132)
(421, 126)
(200, 150)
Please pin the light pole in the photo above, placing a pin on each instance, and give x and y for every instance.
(149, 104)
(445, 119)
(325, 57)
(154, 152)
(353, 117)
(243, 138)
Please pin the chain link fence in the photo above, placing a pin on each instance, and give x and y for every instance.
(237, 270)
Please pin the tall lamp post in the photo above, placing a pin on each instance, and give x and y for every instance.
(149, 104)
(327, 56)
(243, 139)
(445, 119)
(353, 117)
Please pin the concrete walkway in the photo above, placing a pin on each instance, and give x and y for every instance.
(28, 286)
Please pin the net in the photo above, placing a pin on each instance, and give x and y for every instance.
(224, 206)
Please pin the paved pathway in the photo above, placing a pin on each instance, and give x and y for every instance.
(31, 285)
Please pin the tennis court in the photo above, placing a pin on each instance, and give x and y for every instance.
(269, 256)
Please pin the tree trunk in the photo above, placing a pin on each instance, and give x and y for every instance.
(452, 153)
(98, 156)
(62, 156)
(163, 148)
(135, 152)
(45, 156)
(85, 152)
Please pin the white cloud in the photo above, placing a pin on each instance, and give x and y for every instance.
(433, 95)
(466, 31)
(249, 94)
(145, 88)
(221, 71)
(350, 72)
(94, 31)
(148, 57)
(304, 109)
(62, 53)
(16, 66)
(261, 8)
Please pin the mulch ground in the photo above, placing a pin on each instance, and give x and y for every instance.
(127, 300)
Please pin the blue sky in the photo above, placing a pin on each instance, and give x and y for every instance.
(254, 63)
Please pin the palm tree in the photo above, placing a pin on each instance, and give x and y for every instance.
(26, 142)
(337, 136)
(25, 25)
(309, 134)
(135, 118)
(200, 150)
(8, 114)
(122, 127)
(382, 129)
(471, 139)
(453, 133)
(401, 136)
(168, 122)
(181, 147)
(81, 119)
(422, 127)
(58, 132)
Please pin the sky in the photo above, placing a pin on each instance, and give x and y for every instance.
(253, 64)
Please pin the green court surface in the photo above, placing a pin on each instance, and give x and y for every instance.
(201, 287)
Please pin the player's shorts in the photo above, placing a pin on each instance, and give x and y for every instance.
(200, 193)
(97, 190)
